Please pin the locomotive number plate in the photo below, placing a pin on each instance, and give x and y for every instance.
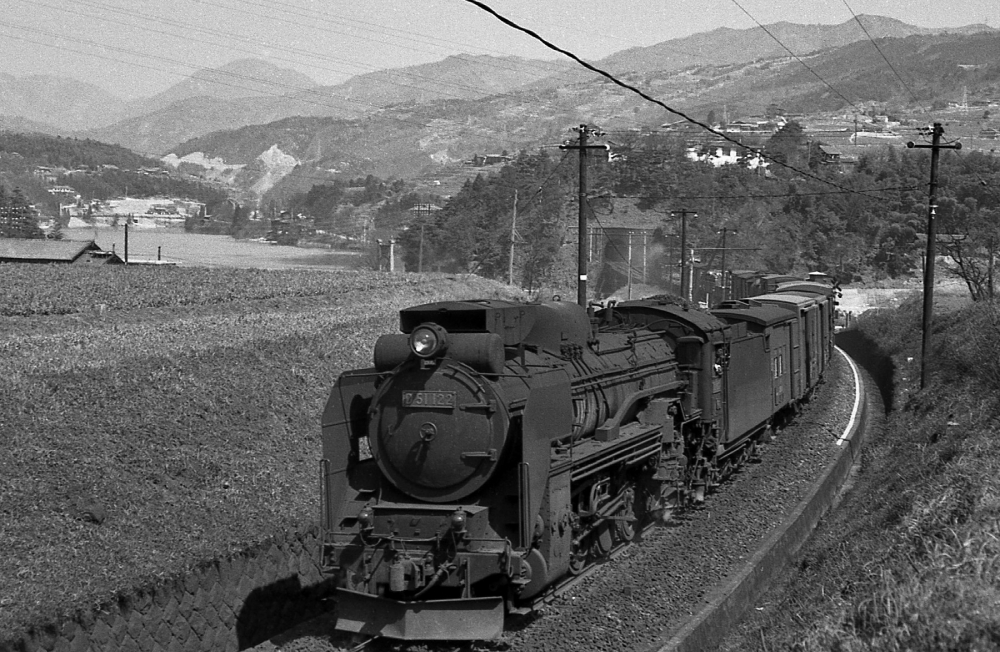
(429, 400)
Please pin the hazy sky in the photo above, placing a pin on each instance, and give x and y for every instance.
(139, 47)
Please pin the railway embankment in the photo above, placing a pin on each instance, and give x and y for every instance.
(910, 558)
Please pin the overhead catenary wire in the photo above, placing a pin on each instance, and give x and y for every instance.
(649, 98)
(797, 57)
(882, 54)
(405, 41)
(219, 34)
(290, 88)
(316, 92)
(758, 196)
(236, 77)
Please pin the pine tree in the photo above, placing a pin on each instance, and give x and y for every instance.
(16, 216)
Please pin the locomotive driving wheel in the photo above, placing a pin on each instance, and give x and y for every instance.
(625, 530)
(625, 518)
(603, 539)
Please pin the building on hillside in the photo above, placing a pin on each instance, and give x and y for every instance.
(481, 160)
(722, 152)
(19, 250)
(829, 155)
(47, 174)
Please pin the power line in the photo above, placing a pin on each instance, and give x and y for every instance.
(298, 90)
(884, 58)
(224, 73)
(797, 58)
(648, 97)
(757, 196)
(404, 41)
(224, 35)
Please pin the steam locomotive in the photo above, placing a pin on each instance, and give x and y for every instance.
(496, 448)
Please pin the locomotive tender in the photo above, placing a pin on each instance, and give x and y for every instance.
(497, 447)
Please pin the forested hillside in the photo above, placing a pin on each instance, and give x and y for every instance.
(804, 217)
(37, 149)
(94, 170)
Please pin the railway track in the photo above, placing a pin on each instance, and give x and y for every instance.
(643, 595)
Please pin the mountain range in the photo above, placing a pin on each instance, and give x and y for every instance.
(417, 117)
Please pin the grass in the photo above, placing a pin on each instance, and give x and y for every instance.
(177, 423)
(911, 559)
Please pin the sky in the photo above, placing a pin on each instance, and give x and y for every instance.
(136, 48)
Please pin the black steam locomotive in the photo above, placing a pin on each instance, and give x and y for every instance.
(497, 447)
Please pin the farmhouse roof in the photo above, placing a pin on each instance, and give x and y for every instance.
(42, 250)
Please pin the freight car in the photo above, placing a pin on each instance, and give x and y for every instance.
(496, 448)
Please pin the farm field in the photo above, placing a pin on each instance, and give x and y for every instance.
(155, 418)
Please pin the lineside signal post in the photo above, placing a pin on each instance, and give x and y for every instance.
(935, 148)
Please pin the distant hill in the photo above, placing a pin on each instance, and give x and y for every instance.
(459, 77)
(444, 111)
(70, 153)
(239, 79)
(728, 46)
(159, 131)
(934, 68)
(65, 104)
(418, 139)
(25, 126)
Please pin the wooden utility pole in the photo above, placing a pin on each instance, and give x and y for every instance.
(685, 275)
(513, 239)
(629, 265)
(935, 148)
(582, 147)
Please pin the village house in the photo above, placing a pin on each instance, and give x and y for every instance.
(20, 250)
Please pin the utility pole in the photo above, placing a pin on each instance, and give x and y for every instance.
(513, 239)
(582, 147)
(725, 276)
(670, 265)
(629, 265)
(935, 148)
(685, 290)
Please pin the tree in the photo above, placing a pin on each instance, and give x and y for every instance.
(972, 244)
(786, 144)
(17, 219)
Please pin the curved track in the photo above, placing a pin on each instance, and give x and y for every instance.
(678, 587)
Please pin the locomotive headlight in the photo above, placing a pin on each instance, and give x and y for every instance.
(458, 520)
(427, 340)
